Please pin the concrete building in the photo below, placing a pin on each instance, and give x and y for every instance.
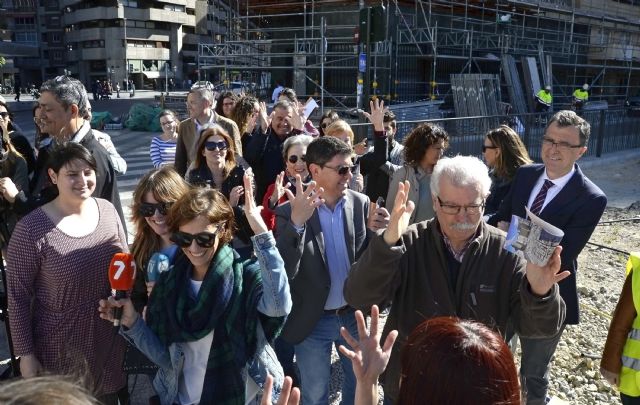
(144, 41)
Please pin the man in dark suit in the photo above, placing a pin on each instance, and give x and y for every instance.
(559, 193)
(320, 232)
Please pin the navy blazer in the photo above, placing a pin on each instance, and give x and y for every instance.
(576, 210)
(305, 261)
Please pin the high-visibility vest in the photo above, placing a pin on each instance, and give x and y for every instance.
(544, 97)
(630, 373)
(581, 95)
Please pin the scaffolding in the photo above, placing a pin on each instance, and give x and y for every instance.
(312, 45)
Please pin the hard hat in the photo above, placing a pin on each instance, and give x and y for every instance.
(585, 86)
(547, 88)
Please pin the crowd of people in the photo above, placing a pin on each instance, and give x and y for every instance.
(255, 297)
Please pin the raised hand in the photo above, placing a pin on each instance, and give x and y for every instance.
(297, 116)
(304, 202)
(361, 148)
(376, 117)
(265, 119)
(400, 215)
(543, 278)
(235, 194)
(378, 217)
(251, 210)
(367, 357)
(278, 190)
(288, 395)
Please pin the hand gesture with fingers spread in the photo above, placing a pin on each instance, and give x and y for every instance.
(304, 202)
(543, 278)
(402, 209)
(376, 117)
(278, 190)
(265, 119)
(368, 358)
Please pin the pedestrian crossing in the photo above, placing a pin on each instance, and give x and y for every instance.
(133, 146)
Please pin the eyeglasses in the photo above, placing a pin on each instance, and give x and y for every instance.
(454, 209)
(293, 159)
(343, 170)
(548, 142)
(211, 146)
(485, 147)
(203, 239)
(4, 114)
(148, 209)
(164, 124)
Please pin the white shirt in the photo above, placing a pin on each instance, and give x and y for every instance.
(196, 356)
(552, 192)
(199, 125)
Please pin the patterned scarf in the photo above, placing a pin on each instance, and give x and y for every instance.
(227, 302)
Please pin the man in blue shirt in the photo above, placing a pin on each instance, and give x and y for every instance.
(320, 233)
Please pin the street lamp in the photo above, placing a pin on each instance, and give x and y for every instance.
(166, 77)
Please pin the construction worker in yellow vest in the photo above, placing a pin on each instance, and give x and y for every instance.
(544, 99)
(581, 96)
(620, 364)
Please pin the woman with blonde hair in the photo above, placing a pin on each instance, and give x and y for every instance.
(504, 152)
(156, 192)
(342, 130)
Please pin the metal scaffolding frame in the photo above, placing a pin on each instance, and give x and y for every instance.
(428, 40)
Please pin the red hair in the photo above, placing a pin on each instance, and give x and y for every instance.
(451, 361)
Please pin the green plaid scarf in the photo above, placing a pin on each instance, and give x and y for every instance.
(227, 302)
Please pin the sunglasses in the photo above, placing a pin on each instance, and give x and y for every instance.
(4, 114)
(148, 209)
(343, 170)
(293, 159)
(203, 239)
(211, 146)
(485, 147)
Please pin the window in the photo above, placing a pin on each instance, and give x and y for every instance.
(174, 7)
(56, 37)
(26, 37)
(129, 3)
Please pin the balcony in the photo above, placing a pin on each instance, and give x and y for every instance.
(95, 13)
(86, 34)
(86, 54)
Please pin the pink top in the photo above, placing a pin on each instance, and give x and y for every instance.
(54, 284)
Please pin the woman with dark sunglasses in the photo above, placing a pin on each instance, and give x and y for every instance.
(293, 150)
(152, 198)
(213, 313)
(216, 167)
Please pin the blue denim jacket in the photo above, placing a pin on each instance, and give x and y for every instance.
(275, 302)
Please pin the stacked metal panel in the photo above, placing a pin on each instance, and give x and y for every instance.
(531, 79)
(514, 86)
(475, 94)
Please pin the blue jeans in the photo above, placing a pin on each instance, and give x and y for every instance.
(313, 356)
(534, 366)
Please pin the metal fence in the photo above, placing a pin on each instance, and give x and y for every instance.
(611, 131)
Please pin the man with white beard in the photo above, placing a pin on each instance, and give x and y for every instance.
(452, 265)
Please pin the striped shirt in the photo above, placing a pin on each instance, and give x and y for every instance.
(162, 152)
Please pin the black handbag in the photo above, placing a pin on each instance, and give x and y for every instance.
(135, 362)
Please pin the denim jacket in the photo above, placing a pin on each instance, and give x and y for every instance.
(275, 302)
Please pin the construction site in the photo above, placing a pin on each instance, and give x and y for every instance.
(457, 58)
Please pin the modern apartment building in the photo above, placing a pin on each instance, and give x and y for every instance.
(144, 41)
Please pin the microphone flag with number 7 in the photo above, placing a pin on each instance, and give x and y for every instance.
(122, 273)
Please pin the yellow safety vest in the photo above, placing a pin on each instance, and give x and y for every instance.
(630, 373)
(545, 97)
(580, 94)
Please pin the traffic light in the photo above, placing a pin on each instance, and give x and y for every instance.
(378, 21)
(131, 67)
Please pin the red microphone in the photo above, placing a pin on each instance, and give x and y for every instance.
(122, 273)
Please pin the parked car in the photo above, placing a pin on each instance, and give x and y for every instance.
(203, 83)
(236, 87)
